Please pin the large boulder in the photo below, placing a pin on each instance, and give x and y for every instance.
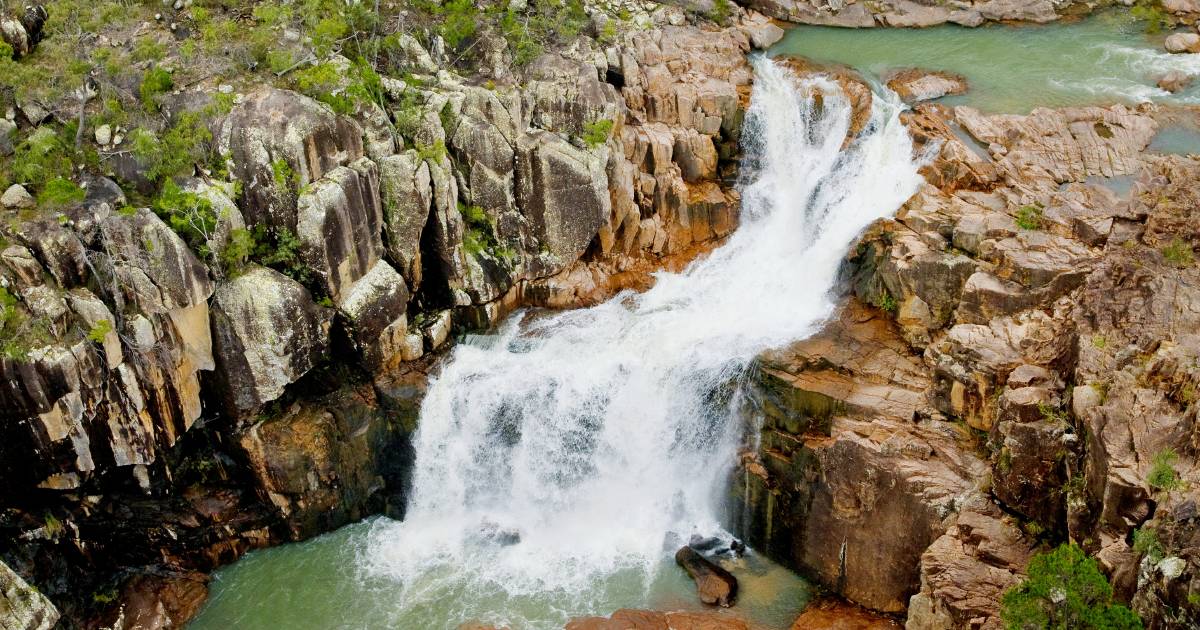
(279, 142)
(842, 459)
(914, 85)
(267, 333)
(23, 607)
(340, 226)
(326, 463)
(563, 193)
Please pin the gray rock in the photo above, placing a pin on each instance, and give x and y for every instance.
(267, 333)
(17, 197)
(276, 133)
(563, 193)
(340, 226)
(23, 607)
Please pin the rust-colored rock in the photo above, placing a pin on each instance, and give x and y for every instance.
(715, 585)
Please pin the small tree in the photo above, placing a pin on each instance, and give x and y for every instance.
(1065, 589)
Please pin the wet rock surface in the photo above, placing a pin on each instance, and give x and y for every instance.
(715, 585)
(1011, 370)
(171, 409)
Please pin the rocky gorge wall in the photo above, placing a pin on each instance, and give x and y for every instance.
(1009, 370)
(169, 414)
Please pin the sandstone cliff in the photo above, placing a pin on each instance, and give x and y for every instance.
(174, 396)
(1010, 370)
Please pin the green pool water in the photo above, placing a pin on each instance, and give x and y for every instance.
(1013, 69)
(318, 585)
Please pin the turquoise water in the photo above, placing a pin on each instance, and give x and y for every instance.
(1013, 69)
(316, 585)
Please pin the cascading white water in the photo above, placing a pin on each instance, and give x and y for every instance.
(592, 434)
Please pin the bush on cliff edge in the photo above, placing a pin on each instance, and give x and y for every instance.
(1065, 589)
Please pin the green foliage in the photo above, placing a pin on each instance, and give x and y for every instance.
(342, 92)
(1179, 254)
(597, 133)
(178, 150)
(459, 21)
(6, 51)
(1051, 413)
(721, 11)
(283, 175)
(1162, 471)
(100, 331)
(155, 83)
(191, 216)
(19, 333)
(327, 34)
(1064, 590)
(1029, 217)
(279, 249)
(42, 157)
(885, 302)
(237, 251)
(1099, 342)
(409, 113)
(60, 192)
(1152, 13)
(543, 25)
(1145, 542)
(435, 152)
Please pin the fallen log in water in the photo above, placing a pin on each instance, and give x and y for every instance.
(715, 585)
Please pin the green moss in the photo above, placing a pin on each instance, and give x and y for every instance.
(721, 11)
(1065, 589)
(1151, 12)
(435, 152)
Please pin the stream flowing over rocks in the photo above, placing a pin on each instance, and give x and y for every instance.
(659, 286)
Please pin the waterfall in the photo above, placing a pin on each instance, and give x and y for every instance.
(565, 447)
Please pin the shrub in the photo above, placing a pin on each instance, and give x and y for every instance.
(42, 157)
(1145, 542)
(191, 216)
(155, 82)
(597, 133)
(6, 51)
(1065, 589)
(1029, 217)
(100, 331)
(721, 11)
(1162, 471)
(1179, 254)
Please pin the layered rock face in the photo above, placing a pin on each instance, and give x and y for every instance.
(166, 407)
(1011, 369)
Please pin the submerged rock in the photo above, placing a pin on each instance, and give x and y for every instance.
(715, 585)
(627, 619)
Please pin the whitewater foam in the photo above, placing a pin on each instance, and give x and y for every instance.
(565, 448)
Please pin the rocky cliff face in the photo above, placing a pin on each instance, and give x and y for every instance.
(1011, 369)
(166, 411)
